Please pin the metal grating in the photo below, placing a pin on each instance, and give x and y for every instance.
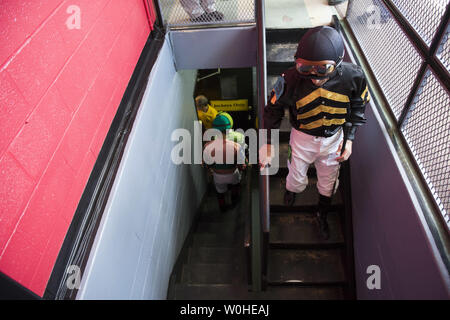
(426, 130)
(183, 13)
(443, 52)
(424, 16)
(393, 59)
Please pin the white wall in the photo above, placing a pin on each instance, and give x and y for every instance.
(153, 201)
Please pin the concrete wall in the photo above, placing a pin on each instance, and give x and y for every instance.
(153, 201)
(64, 66)
(388, 226)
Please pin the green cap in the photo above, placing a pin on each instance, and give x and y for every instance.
(222, 122)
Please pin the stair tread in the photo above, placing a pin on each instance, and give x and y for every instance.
(216, 216)
(284, 35)
(208, 273)
(214, 240)
(281, 52)
(210, 255)
(231, 292)
(278, 68)
(309, 196)
(301, 293)
(208, 292)
(307, 266)
(301, 229)
(225, 227)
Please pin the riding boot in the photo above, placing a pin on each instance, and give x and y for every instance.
(289, 198)
(221, 201)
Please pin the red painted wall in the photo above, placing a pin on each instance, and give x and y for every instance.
(59, 91)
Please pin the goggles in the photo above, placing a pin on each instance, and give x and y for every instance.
(320, 68)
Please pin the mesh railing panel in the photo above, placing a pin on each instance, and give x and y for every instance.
(393, 59)
(426, 130)
(424, 16)
(443, 52)
(181, 13)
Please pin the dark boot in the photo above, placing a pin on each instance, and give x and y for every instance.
(323, 208)
(221, 201)
(289, 198)
(235, 193)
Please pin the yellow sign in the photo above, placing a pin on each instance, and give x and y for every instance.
(230, 105)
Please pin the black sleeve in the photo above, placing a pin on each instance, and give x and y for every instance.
(358, 103)
(274, 110)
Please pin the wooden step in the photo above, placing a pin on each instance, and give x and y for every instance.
(285, 35)
(281, 52)
(306, 267)
(300, 230)
(216, 216)
(217, 227)
(207, 273)
(210, 255)
(300, 293)
(309, 196)
(278, 68)
(213, 240)
(230, 292)
(209, 292)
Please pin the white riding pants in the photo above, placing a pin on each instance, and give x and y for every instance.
(307, 149)
(196, 8)
(222, 180)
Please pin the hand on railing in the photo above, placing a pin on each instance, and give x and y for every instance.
(343, 155)
(266, 154)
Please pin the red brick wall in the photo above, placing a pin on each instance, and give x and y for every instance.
(59, 91)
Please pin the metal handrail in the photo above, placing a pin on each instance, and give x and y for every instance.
(264, 202)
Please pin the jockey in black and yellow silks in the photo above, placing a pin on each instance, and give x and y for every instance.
(322, 93)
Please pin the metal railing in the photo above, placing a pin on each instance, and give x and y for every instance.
(405, 46)
(207, 13)
(264, 201)
(258, 222)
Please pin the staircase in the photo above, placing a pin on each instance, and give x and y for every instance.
(212, 263)
(301, 265)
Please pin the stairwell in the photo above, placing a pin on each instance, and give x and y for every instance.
(301, 265)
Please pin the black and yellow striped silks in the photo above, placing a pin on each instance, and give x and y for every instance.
(322, 108)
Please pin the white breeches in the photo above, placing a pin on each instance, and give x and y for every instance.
(221, 181)
(307, 149)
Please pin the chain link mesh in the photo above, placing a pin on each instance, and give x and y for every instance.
(443, 52)
(424, 16)
(181, 13)
(426, 130)
(392, 58)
